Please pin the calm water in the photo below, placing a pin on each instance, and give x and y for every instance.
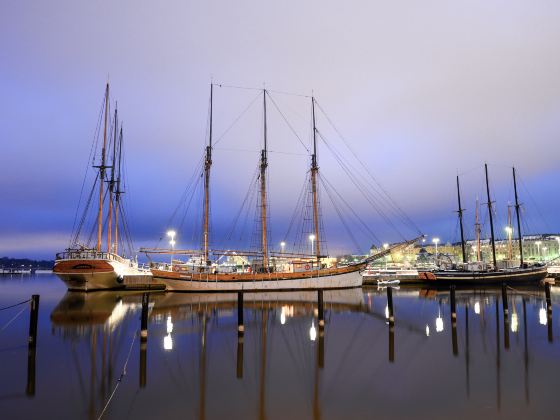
(195, 366)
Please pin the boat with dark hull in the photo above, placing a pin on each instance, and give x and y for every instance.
(483, 273)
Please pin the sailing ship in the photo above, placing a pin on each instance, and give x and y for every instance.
(85, 268)
(298, 271)
(480, 272)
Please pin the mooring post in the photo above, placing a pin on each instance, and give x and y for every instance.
(321, 316)
(505, 307)
(453, 308)
(391, 324)
(32, 345)
(144, 339)
(144, 319)
(548, 311)
(240, 333)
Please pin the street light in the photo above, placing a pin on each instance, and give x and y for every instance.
(171, 234)
(436, 241)
(312, 239)
(538, 244)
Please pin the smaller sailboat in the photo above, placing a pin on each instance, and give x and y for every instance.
(484, 273)
(85, 268)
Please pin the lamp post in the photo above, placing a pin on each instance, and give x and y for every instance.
(312, 239)
(436, 241)
(171, 234)
(385, 247)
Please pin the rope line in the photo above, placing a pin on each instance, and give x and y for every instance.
(12, 320)
(119, 380)
(17, 304)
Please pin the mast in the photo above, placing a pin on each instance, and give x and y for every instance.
(491, 219)
(460, 212)
(118, 193)
(207, 165)
(517, 206)
(112, 185)
(477, 232)
(509, 233)
(314, 171)
(102, 173)
(264, 165)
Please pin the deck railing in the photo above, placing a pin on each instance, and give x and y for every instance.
(89, 254)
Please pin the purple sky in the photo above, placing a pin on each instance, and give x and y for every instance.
(420, 90)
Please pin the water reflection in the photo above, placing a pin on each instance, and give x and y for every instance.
(412, 352)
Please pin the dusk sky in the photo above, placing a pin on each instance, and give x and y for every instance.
(421, 91)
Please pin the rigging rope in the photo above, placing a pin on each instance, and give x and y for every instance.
(7, 324)
(14, 305)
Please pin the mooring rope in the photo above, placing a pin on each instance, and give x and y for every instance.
(12, 320)
(119, 380)
(17, 304)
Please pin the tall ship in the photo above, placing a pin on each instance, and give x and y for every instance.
(86, 266)
(264, 268)
(482, 272)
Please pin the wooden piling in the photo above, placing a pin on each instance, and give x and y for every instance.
(32, 345)
(505, 299)
(144, 319)
(548, 311)
(240, 326)
(390, 304)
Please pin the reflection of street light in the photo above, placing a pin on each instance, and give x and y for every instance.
(514, 322)
(542, 316)
(171, 234)
(427, 330)
(439, 324)
(312, 331)
(477, 308)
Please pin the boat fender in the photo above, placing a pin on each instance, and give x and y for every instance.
(307, 267)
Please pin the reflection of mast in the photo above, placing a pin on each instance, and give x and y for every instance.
(509, 234)
(453, 307)
(506, 315)
(477, 232)
(264, 165)
(314, 171)
(467, 355)
(102, 173)
(391, 324)
(526, 351)
(262, 393)
(202, 364)
(207, 165)
(118, 193)
(320, 358)
(498, 378)
(240, 333)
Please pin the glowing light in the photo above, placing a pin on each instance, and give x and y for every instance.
(508, 230)
(439, 324)
(427, 330)
(282, 317)
(385, 246)
(387, 311)
(172, 242)
(435, 241)
(168, 342)
(311, 237)
(171, 234)
(514, 322)
(477, 308)
(542, 316)
(312, 331)
(169, 325)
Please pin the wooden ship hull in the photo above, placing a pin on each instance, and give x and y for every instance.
(334, 278)
(98, 272)
(515, 275)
